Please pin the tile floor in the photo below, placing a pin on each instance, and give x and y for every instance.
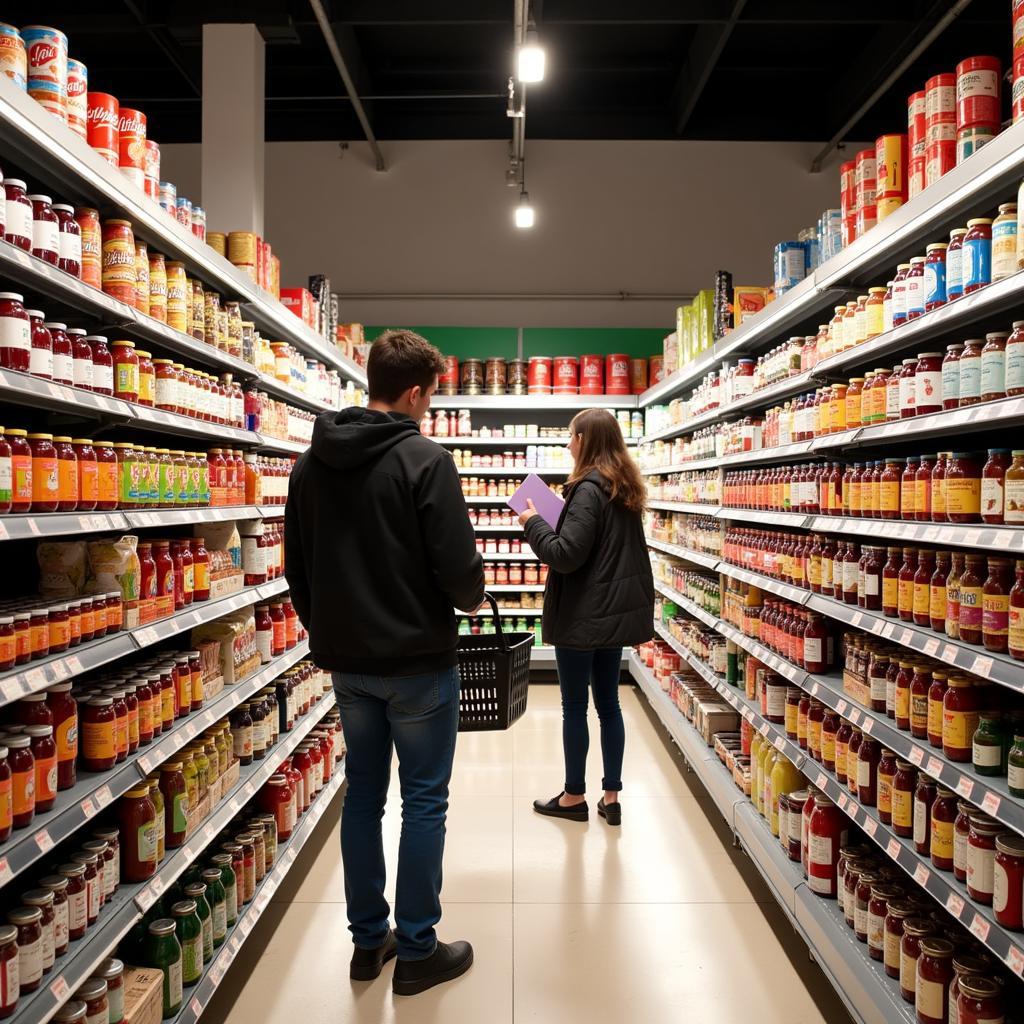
(571, 923)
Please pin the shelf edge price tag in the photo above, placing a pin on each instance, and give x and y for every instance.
(44, 840)
(921, 875)
(980, 927)
(934, 767)
(893, 849)
(990, 805)
(869, 724)
(948, 654)
(1015, 961)
(916, 756)
(88, 807)
(870, 826)
(982, 665)
(965, 787)
(103, 796)
(821, 780)
(59, 988)
(955, 904)
(931, 647)
(5, 872)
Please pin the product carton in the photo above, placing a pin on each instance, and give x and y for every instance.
(300, 302)
(143, 995)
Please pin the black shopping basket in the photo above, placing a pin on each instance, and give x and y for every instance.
(494, 673)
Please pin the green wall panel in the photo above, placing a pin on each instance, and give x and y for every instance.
(481, 342)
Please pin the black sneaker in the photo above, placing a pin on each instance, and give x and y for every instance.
(553, 809)
(612, 813)
(446, 963)
(368, 963)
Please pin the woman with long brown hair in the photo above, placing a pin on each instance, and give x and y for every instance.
(599, 599)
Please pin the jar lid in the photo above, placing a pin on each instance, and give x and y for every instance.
(37, 898)
(37, 198)
(184, 908)
(95, 846)
(101, 702)
(94, 988)
(935, 245)
(1010, 843)
(163, 926)
(957, 232)
(128, 344)
(40, 437)
(974, 221)
(24, 915)
(110, 969)
(39, 731)
(71, 870)
(72, 1011)
(8, 934)
(979, 987)
(224, 859)
(55, 883)
(195, 889)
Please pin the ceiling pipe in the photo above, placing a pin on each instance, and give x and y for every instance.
(350, 88)
(940, 26)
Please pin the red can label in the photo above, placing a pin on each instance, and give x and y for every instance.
(131, 126)
(977, 92)
(657, 369)
(591, 375)
(539, 375)
(78, 98)
(102, 132)
(616, 375)
(1017, 104)
(152, 169)
(449, 377)
(567, 375)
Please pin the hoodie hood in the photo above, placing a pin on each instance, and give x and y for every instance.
(353, 437)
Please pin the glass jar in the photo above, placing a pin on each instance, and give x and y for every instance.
(163, 952)
(42, 899)
(993, 366)
(924, 797)
(977, 254)
(943, 815)
(897, 912)
(826, 834)
(28, 921)
(93, 996)
(18, 215)
(102, 365)
(981, 854)
(928, 383)
(45, 230)
(176, 806)
(934, 975)
(112, 972)
(995, 604)
(980, 1000)
(137, 817)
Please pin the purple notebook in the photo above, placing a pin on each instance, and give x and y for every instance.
(548, 504)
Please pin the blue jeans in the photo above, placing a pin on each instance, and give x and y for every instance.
(419, 716)
(577, 672)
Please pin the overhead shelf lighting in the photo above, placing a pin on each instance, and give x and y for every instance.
(524, 211)
(531, 59)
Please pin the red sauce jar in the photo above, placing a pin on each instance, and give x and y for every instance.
(45, 230)
(886, 772)
(69, 240)
(126, 371)
(868, 756)
(1008, 881)
(878, 908)
(28, 921)
(22, 766)
(102, 365)
(58, 889)
(44, 753)
(67, 475)
(78, 903)
(924, 797)
(81, 359)
(963, 488)
(936, 694)
(981, 857)
(99, 735)
(943, 819)
(93, 885)
(934, 976)
(15, 333)
(40, 359)
(920, 687)
(961, 834)
(826, 834)
(897, 911)
(18, 215)
(42, 900)
(980, 1000)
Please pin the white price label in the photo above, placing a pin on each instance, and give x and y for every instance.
(855, 716)
(948, 654)
(906, 636)
(972, 537)
(965, 787)
(931, 647)
(889, 632)
(844, 801)
(954, 904)
(195, 1006)
(103, 796)
(893, 848)
(60, 989)
(5, 872)
(43, 840)
(982, 665)
(934, 767)
(990, 804)
(921, 875)
(841, 707)
(1003, 539)
(35, 677)
(764, 728)
(821, 780)
(1015, 961)
(147, 636)
(145, 764)
(916, 756)
(10, 689)
(870, 826)
(814, 689)
(74, 664)
(857, 619)
(980, 927)
(780, 744)
(88, 807)
(869, 724)
(877, 625)
(3, 531)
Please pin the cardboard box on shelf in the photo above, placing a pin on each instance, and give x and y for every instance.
(300, 302)
(143, 995)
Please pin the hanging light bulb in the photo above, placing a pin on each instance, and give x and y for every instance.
(530, 59)
(524, 211)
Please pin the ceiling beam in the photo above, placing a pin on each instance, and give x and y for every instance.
(705, 49)
(167, 45)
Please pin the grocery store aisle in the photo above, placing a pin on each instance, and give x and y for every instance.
(571, 923)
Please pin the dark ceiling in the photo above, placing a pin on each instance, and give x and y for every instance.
(617, 69)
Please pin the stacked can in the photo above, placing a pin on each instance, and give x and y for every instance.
(102, 130)
(47, 52)
(977, 104)
(78, 98)
(940, 126)
(865, 180)
(591, 375)
(13, 59)
(891, 168)
(848, 200)
(152, 170)
(618, 378)
(131, 154)
(916, 142)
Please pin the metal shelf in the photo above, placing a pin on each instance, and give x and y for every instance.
(510, 613)
(514, 471)
(274, 444)
(130, 901)
(497, 501)
(77, 806)
(51, 152)
(749, 515)
(1008, 539)
(519, 588)
(991, 174)
(281, 390)
(38, 675)
(697, 557)
(533, 402)
(686, 604)
(514, 528)
(288, 852)
(522, 556)
(685, 506)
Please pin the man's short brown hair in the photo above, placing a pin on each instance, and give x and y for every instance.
(400, 360)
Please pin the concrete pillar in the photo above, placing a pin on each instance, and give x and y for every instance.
(233, 127)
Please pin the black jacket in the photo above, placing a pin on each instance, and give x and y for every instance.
(600, 590)
(378, 546)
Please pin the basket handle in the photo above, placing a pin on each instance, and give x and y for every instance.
(497, 621)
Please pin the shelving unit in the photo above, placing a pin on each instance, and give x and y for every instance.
(130, 902)
(868, 993)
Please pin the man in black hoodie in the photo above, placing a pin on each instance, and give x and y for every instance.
(379, 551)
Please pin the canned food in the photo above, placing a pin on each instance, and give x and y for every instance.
(102, 130)
(92, 245)
(472, 377)
(915, 175)
(167, 196)
(118, 273)
(970, 140)
(891, 166)
(885, 207)
(131, 126)
(217, 241)
(847, 187)
(157, 287)
(13, 59)
(242, 248)
(591, 375)
(865, 179)
(47, 52)
(78, 98)
(916, 123)
(1017, 96)
(566, 375)
(539, 381)
(179, 297)
(638, 375)
(517, 377)
(977, 92)
(199, 223)
(151, 166)
(940, 157)
(183, 212)
(495, 376)
(616, 374)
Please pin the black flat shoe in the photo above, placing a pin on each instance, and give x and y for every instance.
(368, 963)
(612, 813)
(553, 809)
(446, 963)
